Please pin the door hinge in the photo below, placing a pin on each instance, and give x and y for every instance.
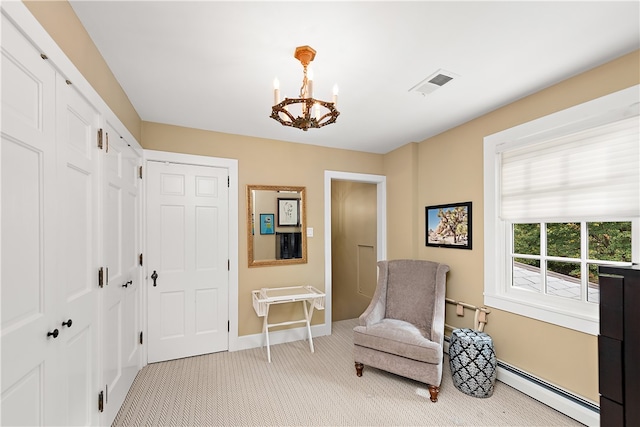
(100, 139)
(228, 265)
(43, 56)
(140, 260)
(140, 172)
(103, 276)
(228, 326)
(68, 82)
(101, 402)
(141, 340)
(227, 182)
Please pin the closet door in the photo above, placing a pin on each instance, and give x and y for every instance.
(28, 261)
(122, 292)
(49, 243)
(78, 228)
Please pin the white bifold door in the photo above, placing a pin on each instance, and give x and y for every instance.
(122, 291)
(49, 179)
(187, 265)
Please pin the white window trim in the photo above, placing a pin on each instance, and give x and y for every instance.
(577, 315)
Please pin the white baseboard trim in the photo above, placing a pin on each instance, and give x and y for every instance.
(561, 400)
(576, 407)
(246, 342)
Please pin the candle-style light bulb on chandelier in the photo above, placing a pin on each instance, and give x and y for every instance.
(304, 112)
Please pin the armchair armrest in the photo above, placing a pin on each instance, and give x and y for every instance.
(437, 325)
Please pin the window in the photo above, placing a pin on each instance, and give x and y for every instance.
(562, 196)
(562, 259)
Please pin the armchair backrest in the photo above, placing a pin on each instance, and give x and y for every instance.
(415, 291)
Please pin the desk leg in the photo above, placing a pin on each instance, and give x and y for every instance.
(308, 313)
(265, 329)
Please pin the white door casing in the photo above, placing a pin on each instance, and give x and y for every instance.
(122, 293)
(187, 213)
(381, 227)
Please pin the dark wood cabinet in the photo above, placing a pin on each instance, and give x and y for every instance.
(619, 346)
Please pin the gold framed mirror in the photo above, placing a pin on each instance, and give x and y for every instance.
(276, 225)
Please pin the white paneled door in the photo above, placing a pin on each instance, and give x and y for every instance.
(77, 254)
(49, 243)
(187, 269)
(122, 292)
(28, 155)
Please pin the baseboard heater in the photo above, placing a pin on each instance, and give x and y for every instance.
(573, 406)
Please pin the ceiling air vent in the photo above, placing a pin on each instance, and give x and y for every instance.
(433, 82)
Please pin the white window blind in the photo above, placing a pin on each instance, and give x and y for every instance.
(590, 173)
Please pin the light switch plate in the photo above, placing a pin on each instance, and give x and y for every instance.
(309, 231)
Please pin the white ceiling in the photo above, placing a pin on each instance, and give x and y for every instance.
(211, 64)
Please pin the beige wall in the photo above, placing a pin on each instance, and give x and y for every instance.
(403, 215)
(353, 247)
(62, 24)
(451, 170)
(418, 174)
(269, 162)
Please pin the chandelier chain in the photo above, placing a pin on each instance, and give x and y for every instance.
(304, 89)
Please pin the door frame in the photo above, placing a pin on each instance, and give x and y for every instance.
(381, 226)
(232, 166)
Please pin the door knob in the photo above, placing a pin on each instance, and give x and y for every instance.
(67, 323)
(54, 333)
(154, 276)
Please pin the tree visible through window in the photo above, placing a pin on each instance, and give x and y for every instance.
(569, 255)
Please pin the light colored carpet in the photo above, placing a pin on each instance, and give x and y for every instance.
(300, 388)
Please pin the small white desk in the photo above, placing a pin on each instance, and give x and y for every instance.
(309, 296)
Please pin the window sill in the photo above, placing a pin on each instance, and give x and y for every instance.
(586, 323)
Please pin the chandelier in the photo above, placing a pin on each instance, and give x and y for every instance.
(304, 112)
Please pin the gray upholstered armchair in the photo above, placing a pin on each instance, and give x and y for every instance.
(402, 330)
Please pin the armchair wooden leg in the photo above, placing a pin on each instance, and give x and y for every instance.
(359, 367)
(433, 391)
